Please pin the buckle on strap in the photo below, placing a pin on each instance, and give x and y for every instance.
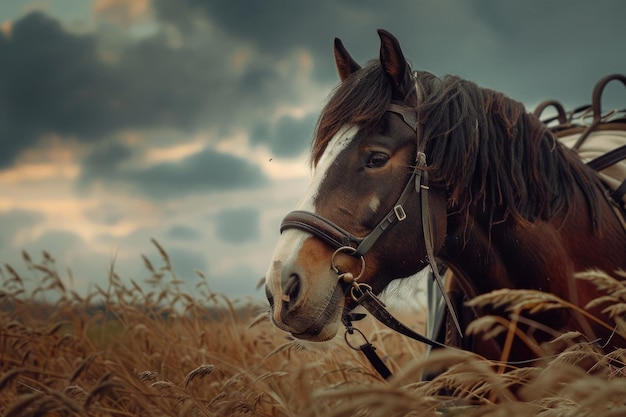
(400, 213)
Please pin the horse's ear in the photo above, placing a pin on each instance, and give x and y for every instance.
(345, 64)
(393, 61)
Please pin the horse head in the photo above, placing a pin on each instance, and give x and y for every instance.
(362, 211)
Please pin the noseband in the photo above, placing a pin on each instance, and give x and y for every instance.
(339, 238)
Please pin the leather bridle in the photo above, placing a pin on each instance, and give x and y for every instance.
(336, 236)
(341, 240)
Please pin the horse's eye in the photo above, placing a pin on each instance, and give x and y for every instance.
(377, 160)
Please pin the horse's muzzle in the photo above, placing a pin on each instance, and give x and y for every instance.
(304, 321)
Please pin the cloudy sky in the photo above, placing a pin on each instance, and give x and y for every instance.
(189, 121)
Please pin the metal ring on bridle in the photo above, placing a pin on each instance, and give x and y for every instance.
(350, 331)
(361, 288)
(348, 277)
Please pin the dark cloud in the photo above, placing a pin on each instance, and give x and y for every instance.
(237, 226)
(91, 86)
(53, 82)
(277, 27)
(57, 82)
(205, 171)
(530, 50)
(274, 26)
(288, 137)
(48, 83)
(105, 159)
(104, 164)
(208, 170)
(556, 49)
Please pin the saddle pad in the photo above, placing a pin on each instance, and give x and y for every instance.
(598, 143)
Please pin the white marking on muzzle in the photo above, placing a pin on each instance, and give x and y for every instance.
(291, 240)
(287, 249)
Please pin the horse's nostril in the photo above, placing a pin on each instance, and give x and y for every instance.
(292, 288)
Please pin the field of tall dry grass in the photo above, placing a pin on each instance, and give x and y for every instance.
(157, 350)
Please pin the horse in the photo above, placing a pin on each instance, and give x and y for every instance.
(411, 170)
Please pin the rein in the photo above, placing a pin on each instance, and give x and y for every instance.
(363, 295)
(343, 241)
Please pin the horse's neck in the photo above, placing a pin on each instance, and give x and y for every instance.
(491, 260)
(541, 256)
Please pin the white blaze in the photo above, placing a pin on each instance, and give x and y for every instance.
(291, 240)
(337, 144)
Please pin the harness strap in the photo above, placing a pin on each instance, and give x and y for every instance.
(412, 119)
(370, 353)
(377, 309)
(395, 215)
(428, 242)
(606, 160)
(619, 193)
